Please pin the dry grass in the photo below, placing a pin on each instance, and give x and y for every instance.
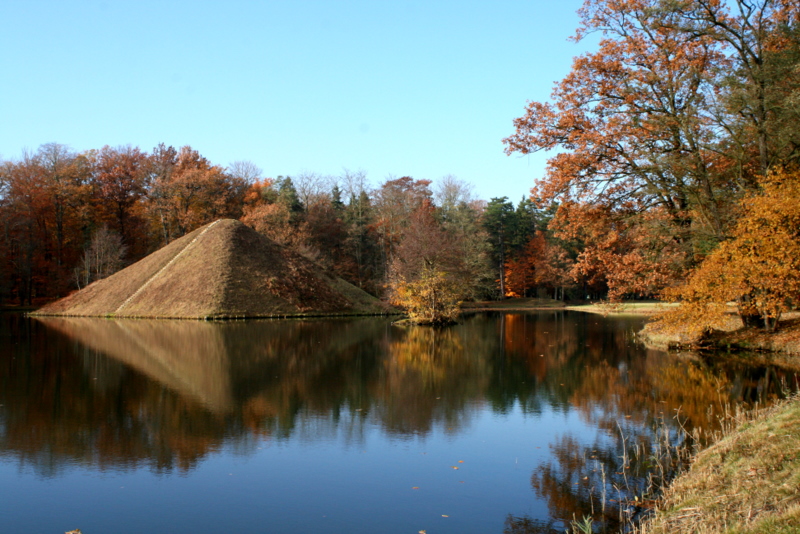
(747, 482)
(624, 308)
(514, 304)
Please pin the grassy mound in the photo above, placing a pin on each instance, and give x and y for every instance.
(222, 270)
(747, 483)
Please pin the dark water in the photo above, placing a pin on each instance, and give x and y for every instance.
(506, 423)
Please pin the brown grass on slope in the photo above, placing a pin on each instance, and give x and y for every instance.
(224, 269)
(747, 483)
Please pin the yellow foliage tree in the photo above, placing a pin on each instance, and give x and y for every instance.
(758, 268)
(427, 276)
(432, 297)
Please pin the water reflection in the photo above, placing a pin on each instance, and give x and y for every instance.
(166, 394)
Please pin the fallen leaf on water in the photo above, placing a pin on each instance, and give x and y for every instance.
(461, 461)
(454, 467)
(415, 487)
(445, 515)
(423, 532)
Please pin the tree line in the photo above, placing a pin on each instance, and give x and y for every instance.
(69, 218)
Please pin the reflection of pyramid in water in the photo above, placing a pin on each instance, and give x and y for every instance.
(186, 356)
(222, 364)
(224, 269)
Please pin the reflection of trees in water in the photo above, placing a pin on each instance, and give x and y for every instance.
(633, 398)
(430, 376)
(174, 391)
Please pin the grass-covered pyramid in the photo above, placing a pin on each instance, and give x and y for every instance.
(222, 270)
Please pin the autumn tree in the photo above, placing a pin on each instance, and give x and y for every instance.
(682, 108)
(5, 242)
(636, 128)
(758, 268)
(394, 202)
(24, 224)
(46, 207)
(120, 175)
(758, 110)
(427, 276)
(161, 164)
(65, 175)
(521, 272)
(188, 191)
(324, 218)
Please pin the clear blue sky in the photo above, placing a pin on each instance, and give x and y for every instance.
(417, 88)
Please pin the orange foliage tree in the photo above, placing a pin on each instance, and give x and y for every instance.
(758, 268)
(120, 176)
(187, 191)
(541, 264)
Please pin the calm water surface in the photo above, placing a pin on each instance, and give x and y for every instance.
(511, 422)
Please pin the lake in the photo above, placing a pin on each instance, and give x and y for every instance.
(506, 423)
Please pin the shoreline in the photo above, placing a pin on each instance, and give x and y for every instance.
(728, 488)
(534, 304)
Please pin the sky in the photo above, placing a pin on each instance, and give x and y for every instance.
(403, 88)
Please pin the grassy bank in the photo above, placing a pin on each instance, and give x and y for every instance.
(624, 308)
(605, 308)
(731, 337)
(512, 305)
(748, 482)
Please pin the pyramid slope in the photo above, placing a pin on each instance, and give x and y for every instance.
(222, 270)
